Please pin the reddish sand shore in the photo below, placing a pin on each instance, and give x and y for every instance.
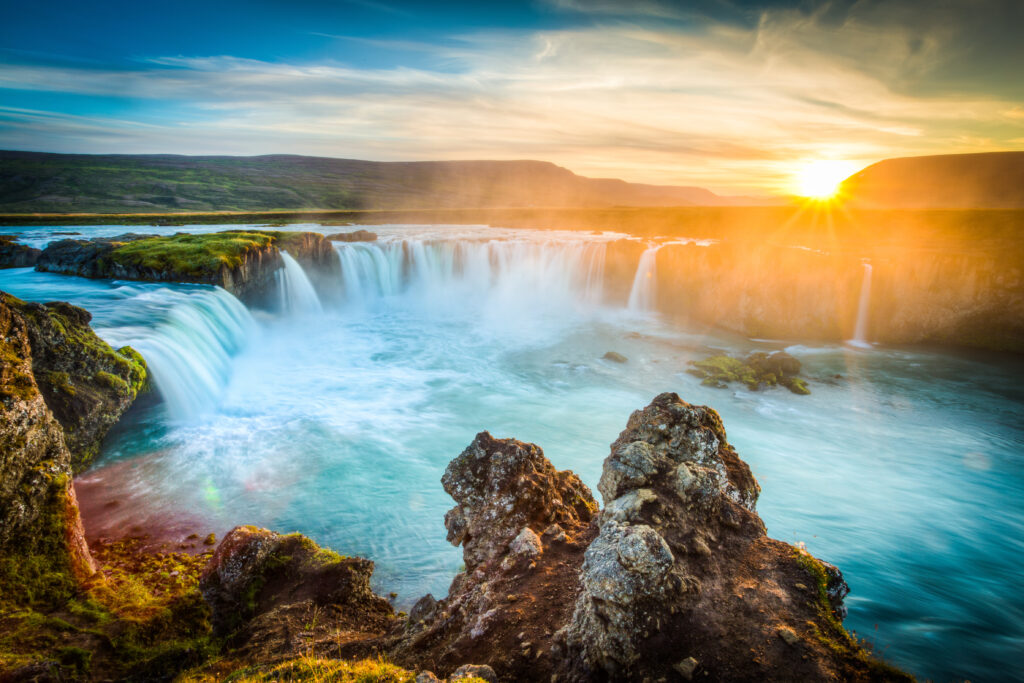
(113, 509)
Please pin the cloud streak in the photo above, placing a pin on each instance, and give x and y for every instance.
(730, 107)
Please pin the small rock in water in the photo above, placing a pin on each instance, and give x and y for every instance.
(210, 540)
(615, 357)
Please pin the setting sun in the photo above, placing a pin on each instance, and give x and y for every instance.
(821, 179)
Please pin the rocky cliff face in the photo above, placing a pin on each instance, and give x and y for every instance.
(674, 579)
(38, 513)
(86, 384)
(242, 262)
(917, 296)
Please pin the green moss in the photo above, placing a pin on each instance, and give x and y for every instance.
(311, 668)
(835, 637)
(755, 371)
(112, 381)
(190, 255)
(61, 381)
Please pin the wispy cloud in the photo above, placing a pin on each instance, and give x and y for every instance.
(730, 107)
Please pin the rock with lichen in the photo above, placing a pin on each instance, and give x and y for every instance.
(502, 486)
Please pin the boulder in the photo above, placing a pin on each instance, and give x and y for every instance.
(38, 512)
(266, 589)
(615, 357)
(14, 255)
(86, 384)
(523, 527)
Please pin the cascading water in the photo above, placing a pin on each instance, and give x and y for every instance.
(641, 295)
(860, 332)
(189, 353)
(513, 275)
(298, 296)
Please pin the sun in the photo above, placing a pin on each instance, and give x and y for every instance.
(821, 179)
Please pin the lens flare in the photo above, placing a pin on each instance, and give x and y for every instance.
(821, 179)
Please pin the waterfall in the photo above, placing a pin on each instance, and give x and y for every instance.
(641, 295)
(522, 274)
(860, 332)
(189, 350)
(297, 293)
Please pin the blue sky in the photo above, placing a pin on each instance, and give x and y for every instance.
(731, 95)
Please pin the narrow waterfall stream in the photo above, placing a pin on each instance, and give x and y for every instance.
(860, 334)
(641, 295)
(336, 416)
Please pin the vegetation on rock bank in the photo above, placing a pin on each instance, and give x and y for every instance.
(756, 371)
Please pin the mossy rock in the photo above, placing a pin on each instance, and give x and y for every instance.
(756, 371)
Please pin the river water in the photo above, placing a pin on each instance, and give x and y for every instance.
(335, 414)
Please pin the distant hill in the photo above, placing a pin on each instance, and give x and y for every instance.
(952, 181)
(80, 183)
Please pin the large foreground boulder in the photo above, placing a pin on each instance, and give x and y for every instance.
(675, 579)
(275, 596)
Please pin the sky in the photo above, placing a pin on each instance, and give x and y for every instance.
(731, 95)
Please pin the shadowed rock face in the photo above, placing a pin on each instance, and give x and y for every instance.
(86, 384)
(14, 255)
(265, 589)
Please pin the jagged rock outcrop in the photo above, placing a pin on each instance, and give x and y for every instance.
(275, 596)
(523, 526)
(38, 513)
(503, 488)
(675, 578)
(241, 261)
(14, 255)
(87, 385)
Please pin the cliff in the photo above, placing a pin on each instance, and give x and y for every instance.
(241, 261)
(929, 294)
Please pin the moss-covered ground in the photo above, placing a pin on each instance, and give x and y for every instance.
(140, 617)
(191, 255)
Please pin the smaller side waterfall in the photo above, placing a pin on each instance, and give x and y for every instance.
(189, 351)
(860, 332)
(641, 295)
(296, 291)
